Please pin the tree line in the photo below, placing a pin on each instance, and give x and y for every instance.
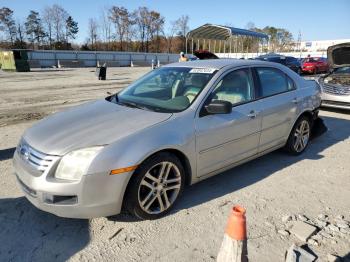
(115, 29)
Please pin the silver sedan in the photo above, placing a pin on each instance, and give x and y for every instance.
(175, 126)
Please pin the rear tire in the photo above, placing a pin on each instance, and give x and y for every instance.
(299, 137)
(155, 186)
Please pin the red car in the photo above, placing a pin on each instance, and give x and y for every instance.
(314, 65)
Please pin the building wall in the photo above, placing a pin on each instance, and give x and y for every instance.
(253, 55)
(321, 45)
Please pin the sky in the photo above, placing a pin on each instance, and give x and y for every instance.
(316, 20)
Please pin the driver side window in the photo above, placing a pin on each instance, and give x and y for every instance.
(236, 87)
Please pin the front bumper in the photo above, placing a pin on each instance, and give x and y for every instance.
(336, 101)
(95, 195)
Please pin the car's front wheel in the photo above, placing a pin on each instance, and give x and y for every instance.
(299, 136)
(155, 186)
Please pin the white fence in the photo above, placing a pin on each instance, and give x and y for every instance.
(50, 58)
(45, 58)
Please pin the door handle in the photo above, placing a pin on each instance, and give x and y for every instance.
(253, 114)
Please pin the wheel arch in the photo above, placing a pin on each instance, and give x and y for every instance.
(179, 154)
(308, 113)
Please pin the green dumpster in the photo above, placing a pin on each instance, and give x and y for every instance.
(15, 60)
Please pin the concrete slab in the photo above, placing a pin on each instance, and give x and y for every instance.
(303, 230)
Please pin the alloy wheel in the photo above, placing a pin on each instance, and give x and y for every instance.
(159, 187)
(301, 136)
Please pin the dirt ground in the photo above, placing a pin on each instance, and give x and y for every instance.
(271, 187)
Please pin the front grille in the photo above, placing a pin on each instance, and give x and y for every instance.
(336, 103)
(37, 160)
(336, 90)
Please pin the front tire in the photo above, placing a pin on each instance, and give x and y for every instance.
(155, 186)
(299, 137)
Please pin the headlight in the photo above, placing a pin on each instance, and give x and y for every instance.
(75, 164)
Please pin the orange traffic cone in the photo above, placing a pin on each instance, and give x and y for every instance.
(234, 244)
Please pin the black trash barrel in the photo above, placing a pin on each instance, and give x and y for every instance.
(101, 72)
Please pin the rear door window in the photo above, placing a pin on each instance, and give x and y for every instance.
(273, 81)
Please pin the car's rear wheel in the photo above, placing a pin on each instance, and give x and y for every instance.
(155, 187)
(299, 136)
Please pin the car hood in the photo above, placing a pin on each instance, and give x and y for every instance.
(94, 123)
(339, 55)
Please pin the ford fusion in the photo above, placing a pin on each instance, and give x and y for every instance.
(336, 85)
(175, 126)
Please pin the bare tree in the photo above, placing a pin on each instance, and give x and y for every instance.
(20, 39)
(106, 26)
(93, 32)
(141, 19)
(182, 27)
(59, 16)
(170, 36)
(123, 21)
(7, 23)
(48, 23)
(155, 27)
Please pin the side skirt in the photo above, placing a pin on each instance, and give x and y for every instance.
(238, 163)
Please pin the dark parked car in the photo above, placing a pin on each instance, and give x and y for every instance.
(289, 61)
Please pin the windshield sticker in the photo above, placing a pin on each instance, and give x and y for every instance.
(202, 70)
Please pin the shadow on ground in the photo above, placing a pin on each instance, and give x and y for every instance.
(45, 237)
(258, 169)
(28, 234)
(7, 153)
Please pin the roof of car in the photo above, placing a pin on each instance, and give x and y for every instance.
(218, 63)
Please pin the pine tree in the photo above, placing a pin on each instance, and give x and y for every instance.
(34, 28)
(71, 28)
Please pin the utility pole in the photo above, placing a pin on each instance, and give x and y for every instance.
(299, 43)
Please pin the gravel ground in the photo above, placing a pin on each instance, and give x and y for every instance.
(270, 188)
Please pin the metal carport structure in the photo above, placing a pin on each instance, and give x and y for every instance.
(216, 37)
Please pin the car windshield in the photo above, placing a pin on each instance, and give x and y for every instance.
(342, 70)
(167, 89)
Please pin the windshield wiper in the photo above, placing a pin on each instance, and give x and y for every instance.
(132, 105)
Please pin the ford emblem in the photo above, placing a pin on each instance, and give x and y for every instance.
(24, 151)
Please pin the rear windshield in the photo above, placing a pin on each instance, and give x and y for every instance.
(311, 60)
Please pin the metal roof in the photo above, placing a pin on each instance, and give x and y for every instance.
(219, 32)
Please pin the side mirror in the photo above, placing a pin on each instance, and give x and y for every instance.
(218, 107)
